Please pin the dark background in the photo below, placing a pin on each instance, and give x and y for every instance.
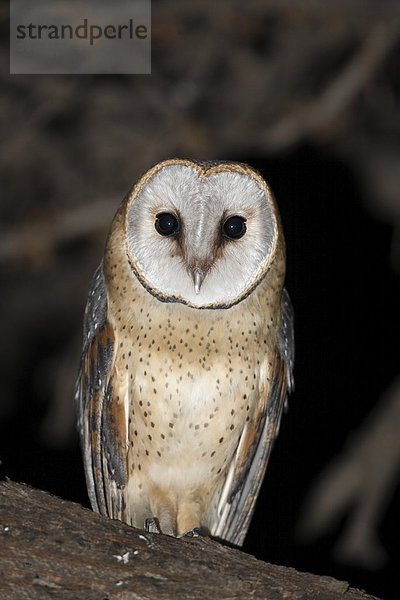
(242, 83)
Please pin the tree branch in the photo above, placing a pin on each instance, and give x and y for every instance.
(52, 548)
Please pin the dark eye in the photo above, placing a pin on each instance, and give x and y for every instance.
(234, 228)
(166, 224)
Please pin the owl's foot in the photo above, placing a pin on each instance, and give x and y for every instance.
(195, 532)
(152, 525)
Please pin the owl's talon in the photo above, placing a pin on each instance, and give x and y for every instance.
(195, 532)
(152, 525)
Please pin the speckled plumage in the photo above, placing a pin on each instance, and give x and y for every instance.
(179, 404)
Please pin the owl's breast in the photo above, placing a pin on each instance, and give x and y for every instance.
(191, 386)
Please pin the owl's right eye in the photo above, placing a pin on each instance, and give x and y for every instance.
(166, 224)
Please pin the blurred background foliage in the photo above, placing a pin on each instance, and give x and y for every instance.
(308, 93)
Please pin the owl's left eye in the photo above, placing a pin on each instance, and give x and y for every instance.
(234, 227)
(166, 224)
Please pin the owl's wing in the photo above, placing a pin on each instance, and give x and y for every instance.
(239, 495)
(101, 419)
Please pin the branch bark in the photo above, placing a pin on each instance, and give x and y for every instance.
(51, 548)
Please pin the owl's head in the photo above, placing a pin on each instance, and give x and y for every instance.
(204, 234)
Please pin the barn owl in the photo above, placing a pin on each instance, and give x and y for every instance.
(188, 351)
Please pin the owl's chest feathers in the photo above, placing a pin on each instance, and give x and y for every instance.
(190, 381)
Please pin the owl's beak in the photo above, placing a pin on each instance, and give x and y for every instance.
(198, 278)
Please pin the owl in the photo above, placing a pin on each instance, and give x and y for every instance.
(188, 351)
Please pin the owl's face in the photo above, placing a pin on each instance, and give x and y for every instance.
(201, 234)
